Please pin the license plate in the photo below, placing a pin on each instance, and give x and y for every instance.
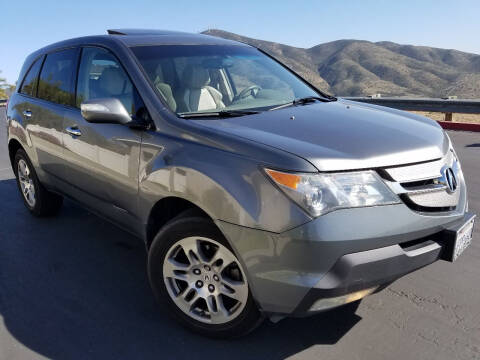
(463, 239)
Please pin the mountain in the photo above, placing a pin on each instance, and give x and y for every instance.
(361, 68)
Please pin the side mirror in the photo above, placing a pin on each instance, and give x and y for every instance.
(105, 110)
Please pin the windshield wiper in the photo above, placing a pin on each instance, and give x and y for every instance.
(220, 114)
(305, 100)
(309, 99)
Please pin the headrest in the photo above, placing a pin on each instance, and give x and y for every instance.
(112, 80)
(159, 73)
(195, 77)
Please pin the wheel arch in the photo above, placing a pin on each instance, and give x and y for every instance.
(13, 146)
(170, 207)
(167, 209)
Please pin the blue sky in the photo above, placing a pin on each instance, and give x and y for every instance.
(27, 25)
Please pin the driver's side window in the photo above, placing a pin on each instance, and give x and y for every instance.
(101, 76)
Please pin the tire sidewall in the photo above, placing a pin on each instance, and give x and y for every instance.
(22, 155)
(165, 239)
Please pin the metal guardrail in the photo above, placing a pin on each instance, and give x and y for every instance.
(447, 106)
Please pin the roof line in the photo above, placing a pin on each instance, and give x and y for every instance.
(144, 32)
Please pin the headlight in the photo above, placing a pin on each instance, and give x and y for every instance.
(321, 193)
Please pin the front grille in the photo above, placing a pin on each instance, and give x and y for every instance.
(424, 187)
(415, 206)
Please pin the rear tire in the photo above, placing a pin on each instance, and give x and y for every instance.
(194, 287)
(38, 200)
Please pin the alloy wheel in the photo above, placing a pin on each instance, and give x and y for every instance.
(205, 280)
(26, 182)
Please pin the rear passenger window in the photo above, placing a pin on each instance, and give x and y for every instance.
(57, 77)
(29, 86)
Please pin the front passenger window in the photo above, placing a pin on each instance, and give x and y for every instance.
(101, 76)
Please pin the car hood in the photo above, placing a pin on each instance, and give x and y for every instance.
(342, 135)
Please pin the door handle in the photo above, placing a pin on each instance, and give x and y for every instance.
(74, 131)
(27, 113)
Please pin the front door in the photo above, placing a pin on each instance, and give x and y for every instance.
(102, 160)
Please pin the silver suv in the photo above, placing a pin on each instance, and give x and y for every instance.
(256, 194)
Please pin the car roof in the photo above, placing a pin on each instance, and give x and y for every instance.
(142, 37)
(131, 38)
(144, 32)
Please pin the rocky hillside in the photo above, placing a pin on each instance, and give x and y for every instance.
(358, 68)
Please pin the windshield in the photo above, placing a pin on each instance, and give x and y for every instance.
(193, 79)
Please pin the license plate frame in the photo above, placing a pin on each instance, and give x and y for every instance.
(458, 239)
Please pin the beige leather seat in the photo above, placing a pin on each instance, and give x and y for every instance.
(164, 89)
(197, 94)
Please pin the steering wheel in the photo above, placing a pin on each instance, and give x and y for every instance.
(249, 91)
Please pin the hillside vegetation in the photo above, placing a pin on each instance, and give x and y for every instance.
(360, 68)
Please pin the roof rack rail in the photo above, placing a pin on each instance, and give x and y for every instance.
(143, 32)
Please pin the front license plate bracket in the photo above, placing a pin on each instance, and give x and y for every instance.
(458, 238)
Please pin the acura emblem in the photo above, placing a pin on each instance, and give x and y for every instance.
(450, 180)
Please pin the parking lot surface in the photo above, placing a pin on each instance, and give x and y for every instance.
(75, 287)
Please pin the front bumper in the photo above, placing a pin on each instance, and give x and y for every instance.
(374, 269)
(337, 254)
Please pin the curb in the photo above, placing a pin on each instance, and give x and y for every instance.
(459, 126)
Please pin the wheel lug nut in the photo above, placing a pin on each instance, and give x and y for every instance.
(215, 277)
(199, 284)
(196, 271)
(211, 288)
(206, 267)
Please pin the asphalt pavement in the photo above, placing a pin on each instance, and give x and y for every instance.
(75, 287)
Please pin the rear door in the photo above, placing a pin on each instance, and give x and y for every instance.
(48, 100)
(25, 108)
(102, 160)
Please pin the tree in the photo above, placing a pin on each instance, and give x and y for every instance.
(5, 88)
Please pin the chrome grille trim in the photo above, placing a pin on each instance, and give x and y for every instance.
(417, 172)
(426, 189)
(423, 186)
(436, 199)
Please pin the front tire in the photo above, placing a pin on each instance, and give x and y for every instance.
(193, 270)
(38, 200)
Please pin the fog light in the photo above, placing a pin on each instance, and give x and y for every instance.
(329, 303)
